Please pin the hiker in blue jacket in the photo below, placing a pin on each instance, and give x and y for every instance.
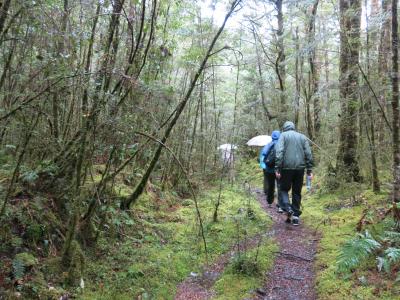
(267, 163)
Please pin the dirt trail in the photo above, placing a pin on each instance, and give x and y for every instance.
(199, 286)
(292, 277)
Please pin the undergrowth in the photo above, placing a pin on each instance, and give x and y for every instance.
(144, 252)
(163, 247)
(245, 273)
(348, 222)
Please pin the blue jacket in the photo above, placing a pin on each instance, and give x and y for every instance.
(265, 150)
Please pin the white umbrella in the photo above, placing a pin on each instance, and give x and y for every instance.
(227, 147)
(260, 140)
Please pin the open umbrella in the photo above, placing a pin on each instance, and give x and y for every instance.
(260, 140)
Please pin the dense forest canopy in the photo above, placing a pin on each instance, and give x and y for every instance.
(107, 106)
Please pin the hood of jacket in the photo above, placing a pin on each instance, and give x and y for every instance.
(288, 126)
(275, 135)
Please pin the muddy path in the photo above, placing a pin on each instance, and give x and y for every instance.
(292, 276)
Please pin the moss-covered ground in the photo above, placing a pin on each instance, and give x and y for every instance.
(234, 285)
(160, 245)
(337, 217)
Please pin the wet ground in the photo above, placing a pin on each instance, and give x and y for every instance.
(292, 277)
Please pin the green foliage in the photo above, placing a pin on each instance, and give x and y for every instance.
(163, 245)
(355, 251)
(34, 232)
(245, 273)
(337, 228)
(29, 177)
(27, 259)
(392, 237)
(245, 265)
(18, 268)
(391, 257)
(21, 262)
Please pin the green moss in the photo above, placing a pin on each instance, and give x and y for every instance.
(336, 217)
(238, 285)
(76, 265)
(27, 259)
(164, 245)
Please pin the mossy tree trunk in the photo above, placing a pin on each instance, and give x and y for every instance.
(280, 64)
(396, 116)
(314, 125)
(350, 17)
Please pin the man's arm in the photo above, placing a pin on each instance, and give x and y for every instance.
(308, 155)
(279, 153)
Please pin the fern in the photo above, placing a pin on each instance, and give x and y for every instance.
(391, 256)
(18, 268)
(29, 177)
(355, 251)
(383, 263)
(392, 236)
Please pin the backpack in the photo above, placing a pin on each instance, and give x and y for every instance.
(269, 159)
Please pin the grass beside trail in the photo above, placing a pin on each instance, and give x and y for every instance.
(234, 285)
(336, 217)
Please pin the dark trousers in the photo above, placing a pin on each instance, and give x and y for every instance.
(269, 187)
(291, 179)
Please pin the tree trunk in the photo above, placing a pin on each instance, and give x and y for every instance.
(298, 80)
(369, 110)
(3, 13)
(314, 78)
(280, 64)
(260, 78)
(396, 116)
(383, 67)
(350, 16)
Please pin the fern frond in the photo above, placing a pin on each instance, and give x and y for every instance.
(392, 236)
(383, 263)
(18, 268)
(391, 256)
(355, 251)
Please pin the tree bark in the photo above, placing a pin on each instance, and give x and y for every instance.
(396, 116)
(383, 67)
(314, 70)
(280, 64)
(298, 77)
(370, 124)
(3, 13)
(350, 17)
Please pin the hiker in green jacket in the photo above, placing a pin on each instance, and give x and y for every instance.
(293, 156)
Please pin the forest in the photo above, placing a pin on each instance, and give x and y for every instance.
(115, 116)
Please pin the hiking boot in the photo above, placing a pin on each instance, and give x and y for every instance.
(295, 221)
(289, 216)
(280, 210)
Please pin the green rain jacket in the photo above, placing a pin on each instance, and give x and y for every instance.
(292, 150)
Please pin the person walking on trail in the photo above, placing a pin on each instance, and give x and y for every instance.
(267, 163)
(293, 156)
